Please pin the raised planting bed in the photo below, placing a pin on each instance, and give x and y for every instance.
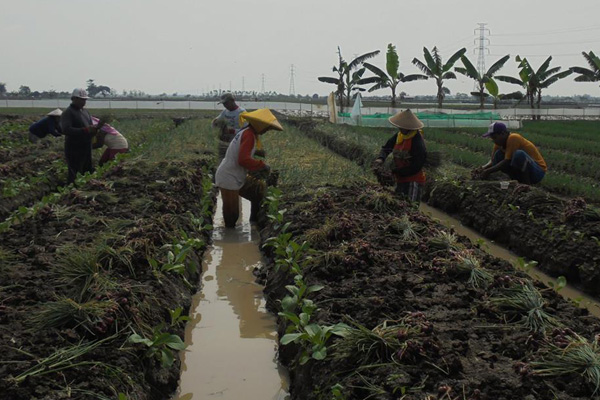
(378, 301)
(93, 287)
(562, 235)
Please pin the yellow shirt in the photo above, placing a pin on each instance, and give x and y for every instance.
(517, 142)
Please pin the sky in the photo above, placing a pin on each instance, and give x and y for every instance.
(194, 46)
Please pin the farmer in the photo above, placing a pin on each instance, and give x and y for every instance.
(231, 176)
(228, 122)
(112, 138)
(409, 152)
(77, 127)
(513, 155)
(50, 124)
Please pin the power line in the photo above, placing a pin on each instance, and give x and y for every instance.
(543, 44)
(551, 32)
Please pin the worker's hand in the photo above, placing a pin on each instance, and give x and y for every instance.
(484, 174)
(92, 130)
(377, 163)
(260, 153)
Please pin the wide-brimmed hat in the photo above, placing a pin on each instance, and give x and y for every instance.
(495, 127)
(261, 120)
(55, 113)
(226, 97)
(80, 93)
(406, 120)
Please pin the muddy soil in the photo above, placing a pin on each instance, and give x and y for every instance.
(113, 226)
(562, 235)
(461, 348)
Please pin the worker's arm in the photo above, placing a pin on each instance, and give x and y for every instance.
(99, 139)
(387, 148)
(245, 155)
(490, 170)
(418, 153)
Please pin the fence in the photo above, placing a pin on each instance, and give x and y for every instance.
(299, 108)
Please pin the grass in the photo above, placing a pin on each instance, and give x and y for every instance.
(67, 312)
(526, 302)
(466, 262)
(578, 357)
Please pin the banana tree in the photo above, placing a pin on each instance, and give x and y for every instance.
(434, 68)
(591, 74)
(470, 71)
(534, 81)
(392, 78)
(494, 93)
(346, 80)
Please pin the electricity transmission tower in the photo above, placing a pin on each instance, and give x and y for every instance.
(262, 85)
(481, 49)
(292, 88)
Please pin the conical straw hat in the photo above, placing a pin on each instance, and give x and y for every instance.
(261, 120)
(55, 113)
(406, 120)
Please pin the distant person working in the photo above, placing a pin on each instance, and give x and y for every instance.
(111, 138)
(513, 155)
(228, 122)
(76, 124)
(49, 125)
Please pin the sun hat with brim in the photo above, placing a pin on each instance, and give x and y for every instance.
(406, 120)
(226, 97)
(495, 127)
(261, 120)
(55, 113)
(80, 93)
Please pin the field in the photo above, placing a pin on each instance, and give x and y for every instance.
(375, 300)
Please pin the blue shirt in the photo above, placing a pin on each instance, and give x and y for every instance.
(45, 126)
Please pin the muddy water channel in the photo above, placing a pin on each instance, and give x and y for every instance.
(231, 337)
(498, 251)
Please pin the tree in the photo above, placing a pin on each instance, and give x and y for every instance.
(591, 74)
(94, 90)
(392, 78)
(470, 71)
(494, 93)
(535, 81)
(2, 89)
(346, 80)
(434, 68)
(24, 91)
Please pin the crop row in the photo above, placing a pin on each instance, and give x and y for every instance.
(376, 299)
(98, 293)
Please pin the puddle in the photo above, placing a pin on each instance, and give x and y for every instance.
(231, 337)
(569, 291)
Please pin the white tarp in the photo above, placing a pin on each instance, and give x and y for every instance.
(356, 112)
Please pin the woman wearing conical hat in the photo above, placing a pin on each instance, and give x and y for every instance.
(409, 152)
(50, 124)
(239, 160)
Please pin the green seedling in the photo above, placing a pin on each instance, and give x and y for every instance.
(177, 318)
(160, 345)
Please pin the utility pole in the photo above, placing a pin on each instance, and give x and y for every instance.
(481, 49)
(262, 85)
(292, 88)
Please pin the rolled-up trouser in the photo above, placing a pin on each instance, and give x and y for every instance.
(521, 168)
(109, 155)
(412, 190)
(253, 191)
(79, 160)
